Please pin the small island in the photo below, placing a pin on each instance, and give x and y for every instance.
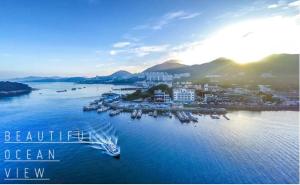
(8, 89)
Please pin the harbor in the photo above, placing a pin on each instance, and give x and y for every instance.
(114, 106)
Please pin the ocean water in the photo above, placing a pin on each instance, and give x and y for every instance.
(251, 147)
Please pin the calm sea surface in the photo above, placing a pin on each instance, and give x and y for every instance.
(251, 147)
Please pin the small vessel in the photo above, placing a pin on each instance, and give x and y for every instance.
(104, 138)
(73, 89)
(115, 112)
(60, 91)
(226, 117)
(102, 109)
(170, 114)
(191, 117)
(139, 114)
(111, 148)
(155, 113)
(90, 107)
(214, 116)
(133, 114)
(185, 117)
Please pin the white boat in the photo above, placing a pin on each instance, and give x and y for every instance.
(111, 148)
(191, 117)
(90, 108)
(139, 113)
(102, 109)
(155, 113)
(115, 112)
(133, 114)
(214, 116)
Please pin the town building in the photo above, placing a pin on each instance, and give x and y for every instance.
(183, 95)
(158, 76)
(160, 96)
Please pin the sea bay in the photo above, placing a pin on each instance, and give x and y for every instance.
(251, 147)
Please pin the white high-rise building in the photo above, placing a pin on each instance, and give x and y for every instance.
(183, 95)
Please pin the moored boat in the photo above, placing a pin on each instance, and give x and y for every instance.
(139, 113)
(133, 114)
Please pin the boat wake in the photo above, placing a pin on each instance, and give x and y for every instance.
(104, 138)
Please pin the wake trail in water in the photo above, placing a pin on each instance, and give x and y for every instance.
(103, 137)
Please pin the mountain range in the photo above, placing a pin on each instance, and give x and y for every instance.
(167, 65)
(279, 70)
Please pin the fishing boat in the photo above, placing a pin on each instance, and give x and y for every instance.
(170, 114)
(185, 117)
(102, 109)
(191, 117)
(226, 117)
(60, 91)
(214, 116)
(90, 108)
(155, 113)
(139, 114)
(115, 112)
(133, 114)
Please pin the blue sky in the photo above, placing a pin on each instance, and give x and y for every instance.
(98, 37)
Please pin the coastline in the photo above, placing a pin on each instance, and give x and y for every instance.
(14, 93)
(210, 109)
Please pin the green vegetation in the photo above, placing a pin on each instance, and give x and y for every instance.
(149, 93)
(13, 89)
(13, 86)
(267, 97)
(279, 70)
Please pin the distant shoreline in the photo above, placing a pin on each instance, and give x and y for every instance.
(10, 89)
(14, 93)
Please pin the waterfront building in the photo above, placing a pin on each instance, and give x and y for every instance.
(160, 96)
(183, 95)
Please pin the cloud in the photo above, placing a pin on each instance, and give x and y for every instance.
(295, 4)
(114, 52)
(285, 5)
(190, 16)
(167, 19)
(121, 44)
(146, 50)
(273, 6)
(141, 51)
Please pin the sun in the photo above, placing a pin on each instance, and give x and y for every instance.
(247, 41)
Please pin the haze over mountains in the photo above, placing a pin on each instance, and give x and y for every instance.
(280, 70)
